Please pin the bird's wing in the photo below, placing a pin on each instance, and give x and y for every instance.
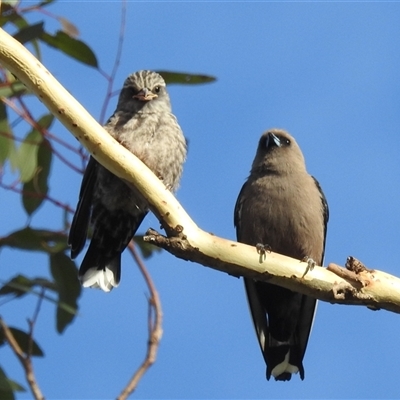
(305, 323)
(309, 304)
(237, 211)
(258, 312)
(325, 212)
(80, 222)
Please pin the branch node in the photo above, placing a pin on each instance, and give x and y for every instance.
(356, 266)
(340, 290)
(350, 276)
(177, 243)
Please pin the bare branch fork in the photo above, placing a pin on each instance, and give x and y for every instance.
(185, 239)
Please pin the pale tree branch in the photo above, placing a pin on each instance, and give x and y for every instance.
(185, 239)
(154, 324)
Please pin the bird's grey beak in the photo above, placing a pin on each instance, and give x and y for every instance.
(145, 95)
(273, 139)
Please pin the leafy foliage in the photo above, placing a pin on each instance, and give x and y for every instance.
(184, 78)
(6, 388)
(24, 341)
(30, 156)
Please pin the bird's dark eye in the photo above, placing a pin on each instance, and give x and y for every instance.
(157, 89)
(285, 141)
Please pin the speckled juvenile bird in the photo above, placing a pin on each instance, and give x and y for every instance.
(282, 207)
(144, 124)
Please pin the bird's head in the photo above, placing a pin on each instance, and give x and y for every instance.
(144, 89)
(278, 152)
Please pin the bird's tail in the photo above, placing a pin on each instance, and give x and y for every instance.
(283, 361)
(100, 272)
(101, 266)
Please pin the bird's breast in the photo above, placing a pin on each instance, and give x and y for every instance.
(286, 215)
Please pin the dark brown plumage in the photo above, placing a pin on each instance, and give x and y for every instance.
(281, 206)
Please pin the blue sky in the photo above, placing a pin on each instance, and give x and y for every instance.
(326, 72)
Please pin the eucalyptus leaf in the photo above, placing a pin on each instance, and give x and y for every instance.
(25, 342)
(34, 191)
(6, 390)
(65, 274)
(30, 32)
(184, 78)
(6, 135)
(21, 285)
(16, 387)
(27, 155)
(36, 240)
(72, 47)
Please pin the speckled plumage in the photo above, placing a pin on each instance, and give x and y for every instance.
(281, 206)
(144, 124)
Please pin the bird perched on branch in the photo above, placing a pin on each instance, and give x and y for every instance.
(144, 124)
(283, 208)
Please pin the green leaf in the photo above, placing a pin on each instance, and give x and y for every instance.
(36, 240)
(13, 157)
(146, 248)
(45, 3)
(21, 285)
(10, 14)
(27, 155)
(28, 151)
(6, 135)
(65, 274)
(34, 191)
(16, 387)
(29, 33)
(6, 391)
(184, 78)
(12, 89)
(22, 338)
(72, 47)
(46, 120)
(12, 286)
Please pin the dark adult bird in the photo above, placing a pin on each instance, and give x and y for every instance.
(283, 208)
(144, 124)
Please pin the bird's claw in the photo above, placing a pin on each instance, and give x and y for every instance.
(263, 248)
(310, 264)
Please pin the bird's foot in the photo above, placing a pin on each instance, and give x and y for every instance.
(310, 264)
(262, 249)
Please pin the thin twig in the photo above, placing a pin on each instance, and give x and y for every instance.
(155, 328)
(25, 114)
(57, 203)
(111, 77)
(32, 322)
(45, 133)
(25, 361)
